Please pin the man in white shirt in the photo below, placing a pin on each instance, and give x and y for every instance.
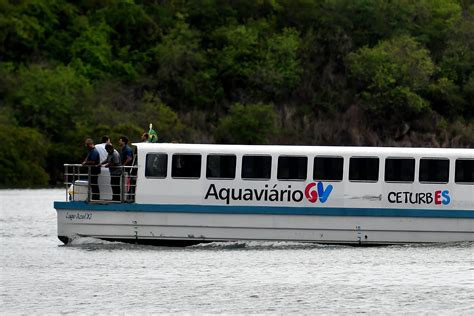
(101, 147)
(104, 178)
(115, 168)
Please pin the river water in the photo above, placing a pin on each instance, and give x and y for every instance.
(41, 276)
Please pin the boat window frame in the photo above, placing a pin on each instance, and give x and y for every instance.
(455, 169)
(399, 158)
(328, 157)
(146, 164)
(186, 154)
(434, 158)
(292, 179)
(364, 181)
(255, 179)
(219, 154)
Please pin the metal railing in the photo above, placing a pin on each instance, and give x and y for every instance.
(110, 185)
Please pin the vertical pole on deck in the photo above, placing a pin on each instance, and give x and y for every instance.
(75, 176)
(88, 183)
(121, 184)
(74, 168)
(65, 182)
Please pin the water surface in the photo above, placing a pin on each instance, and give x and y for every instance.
(40, 276)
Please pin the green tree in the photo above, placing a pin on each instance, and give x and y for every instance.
(247, 124)
(469, 93)
(93, 49)
(165, 121)
(76, 69)
(182, 73)
(23, 158)
(278, 69)
(24, 27)
(391, 77)
(131, 118)
(132, 26)
(256, 58)
(458, 59)
(50, 99)
(433, 22)
(446, 98)
(456, 67)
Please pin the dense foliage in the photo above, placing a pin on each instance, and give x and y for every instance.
(328, 72)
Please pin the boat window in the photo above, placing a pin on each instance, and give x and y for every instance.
(399, 169)
(220, 167)
(186, 166)
(465, 171)
(292, 168)
(156, 165)
(328, 168)
(256, 167)
(364, 169)
(434, 170)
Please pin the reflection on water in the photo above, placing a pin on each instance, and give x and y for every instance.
(39, 275)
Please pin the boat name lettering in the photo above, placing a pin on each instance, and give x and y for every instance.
(437, 197)
(272, 194)
(74, 216)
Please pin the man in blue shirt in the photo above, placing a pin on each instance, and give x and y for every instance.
(126, 153)
(126, 156)
(93, 160)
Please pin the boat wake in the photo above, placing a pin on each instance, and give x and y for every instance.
(441, 245)
(90, 243)
(268, 245)
(81, 241)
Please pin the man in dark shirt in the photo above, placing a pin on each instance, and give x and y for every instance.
(126, 153)
(126, 156)
(93, 160)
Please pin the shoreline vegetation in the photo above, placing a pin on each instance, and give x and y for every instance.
(297, 72)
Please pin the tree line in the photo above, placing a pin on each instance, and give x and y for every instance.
(328, 72)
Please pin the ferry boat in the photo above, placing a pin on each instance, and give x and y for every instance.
(184, 194)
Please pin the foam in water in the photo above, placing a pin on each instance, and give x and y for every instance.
(258, 245)
(84, 241)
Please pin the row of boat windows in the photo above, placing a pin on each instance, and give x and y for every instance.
(258, 167)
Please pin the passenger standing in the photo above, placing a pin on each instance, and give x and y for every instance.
(101, 147)
(126, 156)
(126, 153)
(93, 160)
(115, 168)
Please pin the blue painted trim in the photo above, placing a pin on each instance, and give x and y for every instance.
(270, 210)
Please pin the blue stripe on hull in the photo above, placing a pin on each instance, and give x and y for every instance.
(269, 210)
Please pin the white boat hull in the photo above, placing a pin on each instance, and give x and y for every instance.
(160, 228)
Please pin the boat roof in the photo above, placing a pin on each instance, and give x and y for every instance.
(304, 150)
